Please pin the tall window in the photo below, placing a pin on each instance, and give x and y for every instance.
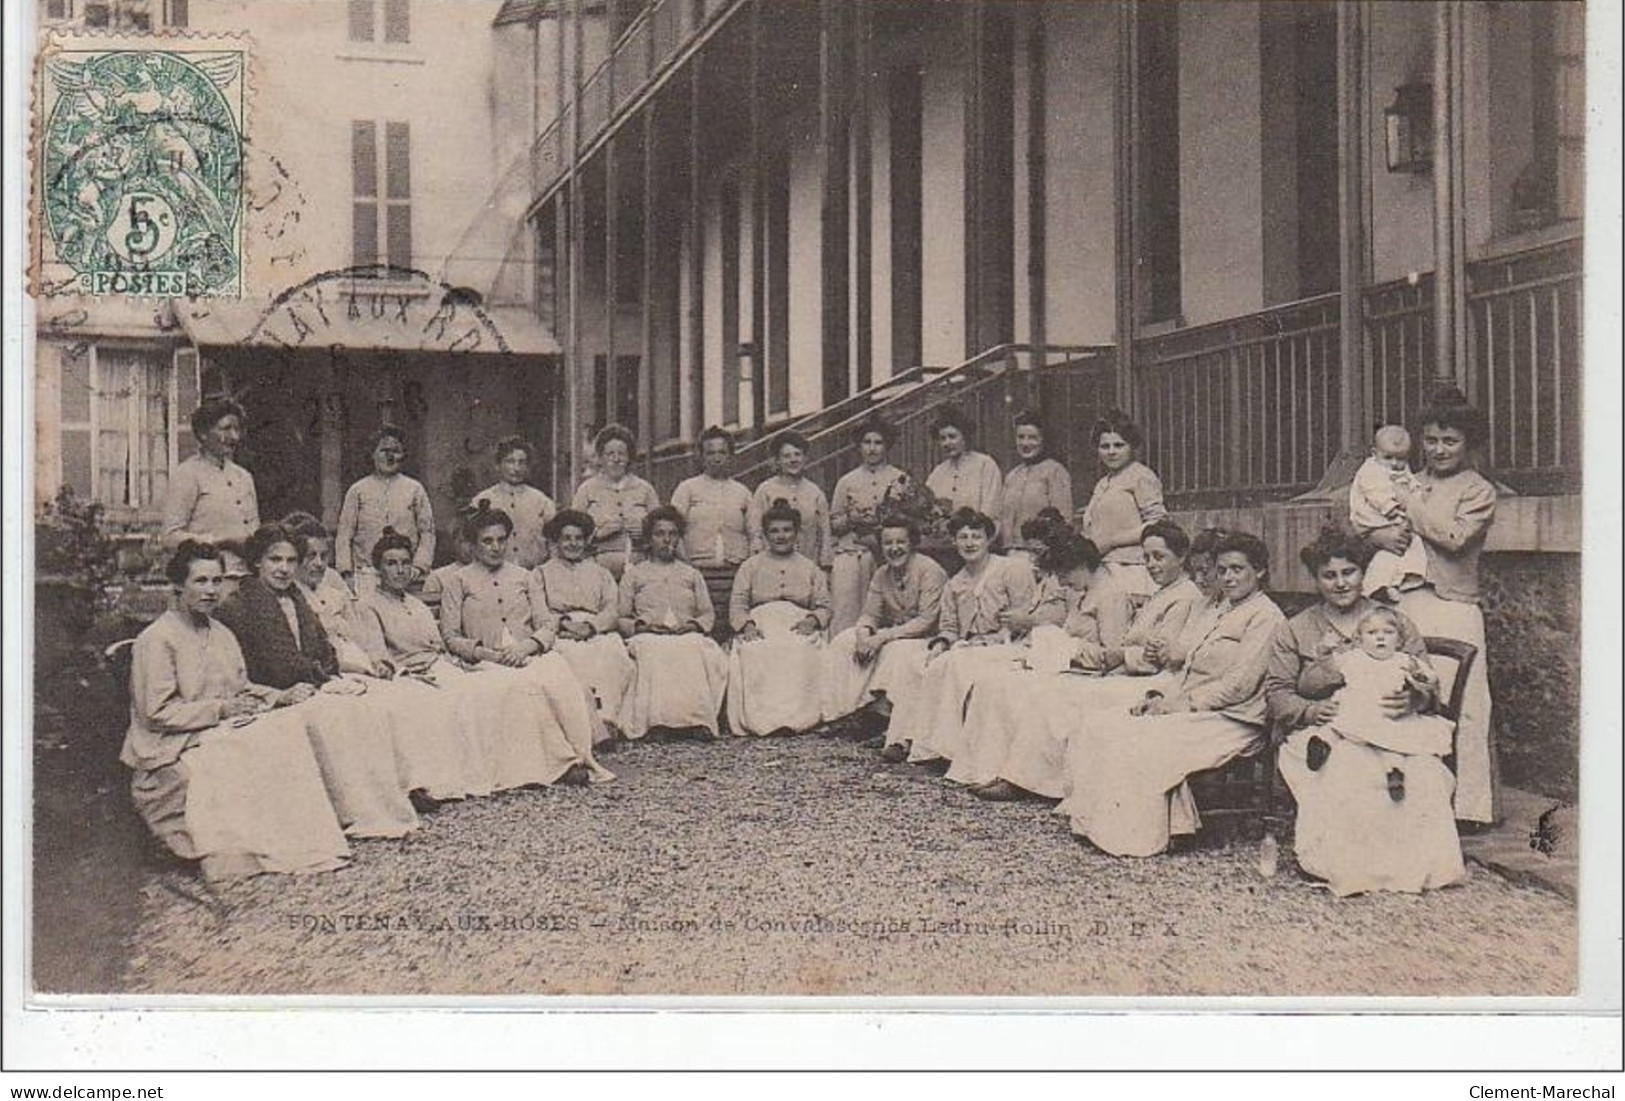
(1537, 114)
(380, 21)
(119, 421)
(382, 217)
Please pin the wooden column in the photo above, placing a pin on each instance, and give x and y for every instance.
(834, 132)
(1449, 229)
(651, 181)
(1037, 188)
(1353, 240)
(972, 18)
(758, 221)
(863, 194)
(612, 276)
(1124, 211)
(572, 347)
(696, 254)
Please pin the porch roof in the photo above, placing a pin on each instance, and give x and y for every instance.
(217, 322)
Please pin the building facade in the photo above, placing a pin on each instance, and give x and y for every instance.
(1260, 227)
(369, 164)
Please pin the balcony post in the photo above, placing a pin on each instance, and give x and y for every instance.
(1354, 246)
(696, 253)
(1449, 229)
(758, 221)
(651, 180)
(863, 193)
(1125, 171)
(835, 159)
(1037, 165)
(572, 346)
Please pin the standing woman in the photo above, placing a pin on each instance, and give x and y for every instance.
(1126, 499)
(966, 478)
(1127, 793)
(779, 610)
(219, 777)
(1035, 483)
(972, 636)
(1451, 510)
(386, 498)
(616, 499)
(210, 497)
(528, 507)
(284, 647)
(584, 597)
(715, 508)
(492, 610)
(667, 618)
(854, 514)
(1351, 831)
(801, 493)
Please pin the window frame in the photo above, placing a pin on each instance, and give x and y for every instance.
(124, 414)
(385, 201)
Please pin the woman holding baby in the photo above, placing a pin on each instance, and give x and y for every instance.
(1448, 510)
(1363, 760)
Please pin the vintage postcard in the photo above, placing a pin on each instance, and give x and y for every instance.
(721, 498)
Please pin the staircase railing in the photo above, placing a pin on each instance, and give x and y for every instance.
(990, 388)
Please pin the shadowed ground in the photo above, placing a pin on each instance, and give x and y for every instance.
(804, 865)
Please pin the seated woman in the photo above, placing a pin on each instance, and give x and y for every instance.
(778, 611)
(666, 617)
(1350, 830)
(972, 636)
(219, 776)
(1126, 781)
(493, 610)
(882, 659)
(427, 737)
(363, 764)
(348, 628)
(585, 599)
(1008, 707)
(508, 733)
(1022, 723)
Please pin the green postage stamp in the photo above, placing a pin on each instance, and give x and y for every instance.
(140, 161)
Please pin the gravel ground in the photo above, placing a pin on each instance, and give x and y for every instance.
(807, 866)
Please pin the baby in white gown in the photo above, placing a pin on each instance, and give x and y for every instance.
(1372, 673)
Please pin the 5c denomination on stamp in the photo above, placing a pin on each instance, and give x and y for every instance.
(140, 158)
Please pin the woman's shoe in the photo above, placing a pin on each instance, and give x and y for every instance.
(895, 754)
(998, 791)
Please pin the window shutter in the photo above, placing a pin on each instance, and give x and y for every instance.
(364, 171)
(398, 190)
(361, 20)
(398, 154)
(397, 21)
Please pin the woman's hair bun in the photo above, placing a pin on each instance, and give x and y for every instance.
(388, 530)
(781, 502)
(484, 505)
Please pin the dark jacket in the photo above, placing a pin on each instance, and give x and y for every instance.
(273, 657)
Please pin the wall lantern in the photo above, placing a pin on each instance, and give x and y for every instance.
(1410, 128)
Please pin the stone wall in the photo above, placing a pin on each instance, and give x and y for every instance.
(1532, 613)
